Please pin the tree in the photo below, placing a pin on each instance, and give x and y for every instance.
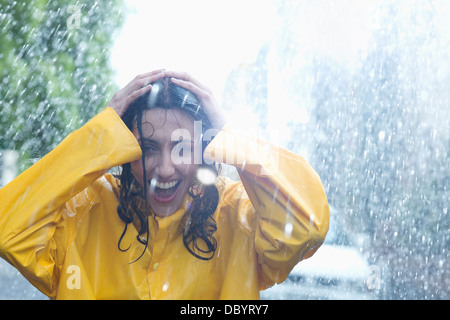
(54, 70)
(380, 143)
(383, 160)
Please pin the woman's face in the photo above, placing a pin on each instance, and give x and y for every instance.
(167, 178)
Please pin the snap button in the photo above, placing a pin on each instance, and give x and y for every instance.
(156, 266)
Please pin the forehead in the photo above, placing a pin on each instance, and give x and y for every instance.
(159, 123)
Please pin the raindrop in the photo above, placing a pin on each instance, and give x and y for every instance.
(288, 229)
(153, 183)
(206, 176)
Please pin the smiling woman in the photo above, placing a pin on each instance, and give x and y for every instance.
(159, 178)
(162, 229)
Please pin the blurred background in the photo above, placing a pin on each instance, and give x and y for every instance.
(360, 88)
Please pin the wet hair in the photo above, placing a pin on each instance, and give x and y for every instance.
(198, 224)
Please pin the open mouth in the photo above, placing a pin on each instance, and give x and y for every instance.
(164, 191)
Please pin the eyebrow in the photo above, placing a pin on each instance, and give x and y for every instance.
(151, 141)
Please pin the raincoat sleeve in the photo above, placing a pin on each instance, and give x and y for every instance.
(286, 195)
(33, 228)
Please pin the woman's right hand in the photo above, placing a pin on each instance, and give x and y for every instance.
(137, 87)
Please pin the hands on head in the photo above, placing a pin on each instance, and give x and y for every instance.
(142, 84)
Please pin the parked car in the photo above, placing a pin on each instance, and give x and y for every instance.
(336, 271)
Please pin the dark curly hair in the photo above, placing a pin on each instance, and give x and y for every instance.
(198, 223)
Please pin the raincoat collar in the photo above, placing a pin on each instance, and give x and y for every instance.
(168, 222)
(175, 218)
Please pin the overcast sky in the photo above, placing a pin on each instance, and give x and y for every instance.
(208, 38)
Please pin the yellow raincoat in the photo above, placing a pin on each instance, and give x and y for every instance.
(60, 228)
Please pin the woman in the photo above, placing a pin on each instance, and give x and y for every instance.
(159, 230)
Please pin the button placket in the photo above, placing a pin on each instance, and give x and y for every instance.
(165, 231)
(158, 248)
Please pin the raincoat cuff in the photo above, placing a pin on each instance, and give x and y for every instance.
(244, 150)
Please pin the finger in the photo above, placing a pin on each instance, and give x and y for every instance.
(190, 86)
(142, 82)
(136, 94)
(149, 74)
(186, 77)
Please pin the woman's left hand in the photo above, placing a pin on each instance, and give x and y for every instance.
(204, 94)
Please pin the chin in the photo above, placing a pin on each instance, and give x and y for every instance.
(164, 214)
(165, 209)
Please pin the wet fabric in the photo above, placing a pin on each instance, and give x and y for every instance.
(60, 228)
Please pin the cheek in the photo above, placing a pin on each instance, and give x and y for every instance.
(136, 168)
(189, 171)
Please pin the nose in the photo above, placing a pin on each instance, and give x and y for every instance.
(165, 167)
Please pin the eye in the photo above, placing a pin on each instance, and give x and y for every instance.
(150, 148)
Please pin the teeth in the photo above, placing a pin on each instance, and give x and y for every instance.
(166, 185)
